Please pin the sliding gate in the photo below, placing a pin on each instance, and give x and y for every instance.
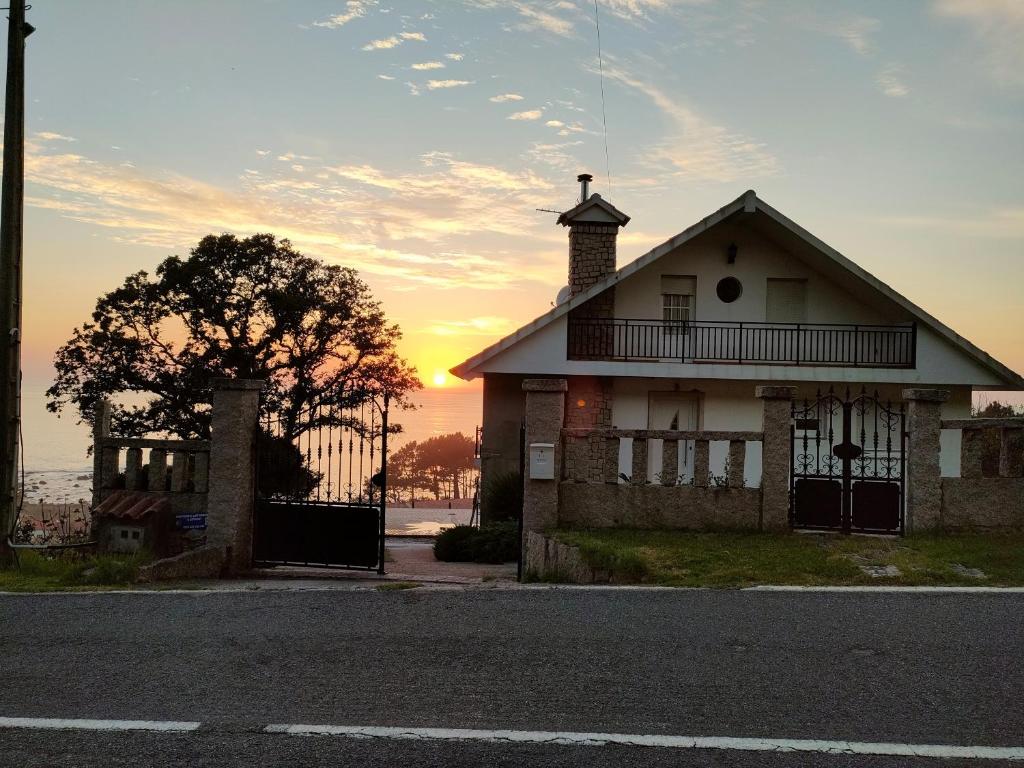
(322, 486)
(848, 463)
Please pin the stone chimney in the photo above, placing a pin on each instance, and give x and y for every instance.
(593, 226)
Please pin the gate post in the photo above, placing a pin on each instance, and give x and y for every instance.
(545, 414)
(924, 476)
(776, 461)
(235, 416)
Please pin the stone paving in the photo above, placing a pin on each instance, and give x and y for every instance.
(407, 559)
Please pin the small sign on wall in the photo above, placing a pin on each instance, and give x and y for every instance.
(542, 461)
(191, 522)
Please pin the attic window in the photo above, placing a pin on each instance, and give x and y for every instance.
(729, 289)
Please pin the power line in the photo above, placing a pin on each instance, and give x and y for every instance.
(604, 116)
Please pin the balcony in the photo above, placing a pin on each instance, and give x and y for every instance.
(806, 344)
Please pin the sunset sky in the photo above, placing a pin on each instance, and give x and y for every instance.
(414, 141)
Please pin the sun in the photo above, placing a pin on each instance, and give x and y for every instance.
(440, 378)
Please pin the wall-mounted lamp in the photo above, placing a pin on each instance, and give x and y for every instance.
(731, 252)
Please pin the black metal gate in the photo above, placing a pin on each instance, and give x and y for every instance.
(322, 485)
(848, 463)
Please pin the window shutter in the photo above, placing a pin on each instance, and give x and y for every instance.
(679, 285)
(786, 301)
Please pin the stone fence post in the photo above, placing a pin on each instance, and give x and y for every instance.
(100, 460)
(545, 414)
(776, 462)
(235, 416)
(924, 475)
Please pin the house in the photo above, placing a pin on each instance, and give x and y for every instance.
(676, 342)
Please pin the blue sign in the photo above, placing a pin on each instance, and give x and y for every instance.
(191, 522)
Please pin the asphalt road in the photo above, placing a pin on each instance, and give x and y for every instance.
(887, 667)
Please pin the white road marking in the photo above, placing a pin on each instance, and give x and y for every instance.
(882, 588)
(650, 740)
(71, 724)
(571, 738)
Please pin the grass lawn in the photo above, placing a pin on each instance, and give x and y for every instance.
(69, 573)
(683, 559)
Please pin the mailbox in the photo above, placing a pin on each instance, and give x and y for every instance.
(542, 461)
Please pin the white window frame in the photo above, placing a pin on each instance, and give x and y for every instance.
(677, 312)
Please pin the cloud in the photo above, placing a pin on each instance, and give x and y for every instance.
(536, 15)
(382, 44)
(428, 65)
(410, 227)
(633, 10)
(355, 9)
(393, 41)
(433, 85)
(855, 33)
(501, 98)
(998, 223)
(890, 80)
(51, 136)
(262, 152)
(555, 155)
(530, 114)
(488, 325)
(698, 148)
(537, 18)
(455, 56)
(998, 27)
(385, 77)
(565, 129)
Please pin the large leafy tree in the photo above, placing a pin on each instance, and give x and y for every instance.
(250, 308)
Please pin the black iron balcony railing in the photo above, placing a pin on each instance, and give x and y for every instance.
(820, 344)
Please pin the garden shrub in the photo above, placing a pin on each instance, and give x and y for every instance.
(491, 543)
(454, 545)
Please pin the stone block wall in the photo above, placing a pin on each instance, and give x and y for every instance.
(685, 507)
(213, 477)
(988, 496)
(588, 492)
(588, 406)
(550, 560)
(591, 254)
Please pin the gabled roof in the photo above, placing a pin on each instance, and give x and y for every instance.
(746, 204)
(595, 209)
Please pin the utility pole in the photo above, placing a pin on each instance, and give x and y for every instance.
(12, 203)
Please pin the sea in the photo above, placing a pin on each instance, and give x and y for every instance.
(58, 469)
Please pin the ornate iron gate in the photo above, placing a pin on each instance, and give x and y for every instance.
(848, 463)
(322, 485)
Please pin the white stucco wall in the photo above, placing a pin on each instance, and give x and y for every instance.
(638, 296)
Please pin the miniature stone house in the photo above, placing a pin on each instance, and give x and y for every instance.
(127, 522)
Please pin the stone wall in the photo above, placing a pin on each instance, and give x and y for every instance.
(588, 406)
(626, 505)
(988, 495)
(550, 560)
(212, 478)
(588, 492)
(591, 255)
(206, 562)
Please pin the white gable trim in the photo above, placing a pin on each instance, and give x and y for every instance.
(747, 203)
